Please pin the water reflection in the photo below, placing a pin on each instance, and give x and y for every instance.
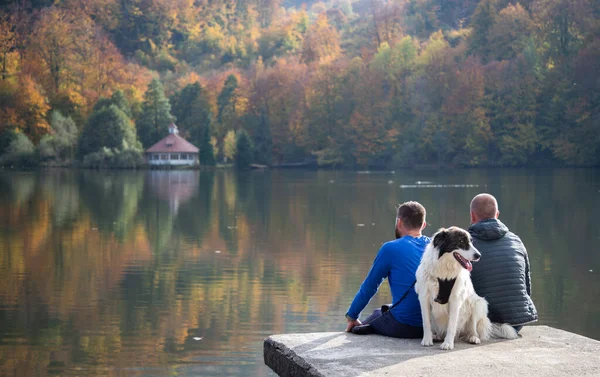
(185, 272)
(174, 187)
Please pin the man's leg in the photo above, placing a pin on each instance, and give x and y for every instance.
(376, 314)
(387, 325)
(366, 328)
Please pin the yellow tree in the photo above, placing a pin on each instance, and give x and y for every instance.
(369, 137)
(51, 42)
(372, 134)
(9, 118)
(322, 42)
(279, 93)
(32, 108)
(76, 61)
(229, 146)
(325, 101)
(468, 125)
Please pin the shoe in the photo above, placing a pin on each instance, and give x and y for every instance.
(362, 330)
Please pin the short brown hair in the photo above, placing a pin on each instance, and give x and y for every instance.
(412, 214)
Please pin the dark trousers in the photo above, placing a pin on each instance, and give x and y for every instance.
(385, 324)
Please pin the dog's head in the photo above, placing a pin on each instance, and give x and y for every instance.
(456, 242)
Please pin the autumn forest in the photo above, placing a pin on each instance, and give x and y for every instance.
(334, 83)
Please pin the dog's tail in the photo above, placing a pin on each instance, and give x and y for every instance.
(504, 331)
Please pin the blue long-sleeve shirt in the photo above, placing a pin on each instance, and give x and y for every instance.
(397, 261)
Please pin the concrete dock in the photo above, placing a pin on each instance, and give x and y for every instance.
(541, 351)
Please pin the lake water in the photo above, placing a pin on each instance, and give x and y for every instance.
(157, 273)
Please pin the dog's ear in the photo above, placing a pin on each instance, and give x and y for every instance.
(440, 237)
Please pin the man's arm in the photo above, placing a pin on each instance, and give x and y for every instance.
(379, 271)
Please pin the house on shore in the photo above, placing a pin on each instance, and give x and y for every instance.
(173, 150)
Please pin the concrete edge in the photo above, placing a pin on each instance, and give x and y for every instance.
(285, 362)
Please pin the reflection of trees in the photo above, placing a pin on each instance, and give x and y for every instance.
(227, 207)
(16, 190)
(137, 298)
(195, 217)
(158, 222)
(60, 272)
(173, 186)
(17, 187)
(64, 194)
(170, 202)
(112, 198)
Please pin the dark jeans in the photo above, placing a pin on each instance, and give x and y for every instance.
(385, 324)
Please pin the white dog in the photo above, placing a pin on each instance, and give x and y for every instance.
(449, 305)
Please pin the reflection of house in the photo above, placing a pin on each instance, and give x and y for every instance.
(174, 187)
(172, 150)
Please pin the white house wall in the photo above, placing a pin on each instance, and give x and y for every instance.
(172, 162)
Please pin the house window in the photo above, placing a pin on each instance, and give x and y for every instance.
(175, 156)
(164, 156)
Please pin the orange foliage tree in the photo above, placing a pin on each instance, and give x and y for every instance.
(322, 42)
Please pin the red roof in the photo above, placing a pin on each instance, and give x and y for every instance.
(173, 143)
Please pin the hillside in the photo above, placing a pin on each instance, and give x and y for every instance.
(367, 83)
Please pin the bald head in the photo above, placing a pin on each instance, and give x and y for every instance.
(483, 207)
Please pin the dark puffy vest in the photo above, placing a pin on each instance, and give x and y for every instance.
(502, 274)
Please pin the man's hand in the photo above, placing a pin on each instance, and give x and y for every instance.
(352, 323)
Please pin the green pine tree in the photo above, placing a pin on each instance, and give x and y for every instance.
(118, 99)
(226, 99)
(191, 107)
(183, 103)
(243, 156)
(263, 142)
(207, 154)
(155, 116)
(102, 103)
(482, 23)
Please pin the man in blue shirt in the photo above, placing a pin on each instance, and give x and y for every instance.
(397, 261)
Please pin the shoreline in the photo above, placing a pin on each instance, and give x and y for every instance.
(549, 352)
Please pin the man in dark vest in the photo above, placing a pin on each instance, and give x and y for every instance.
(502, 275)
